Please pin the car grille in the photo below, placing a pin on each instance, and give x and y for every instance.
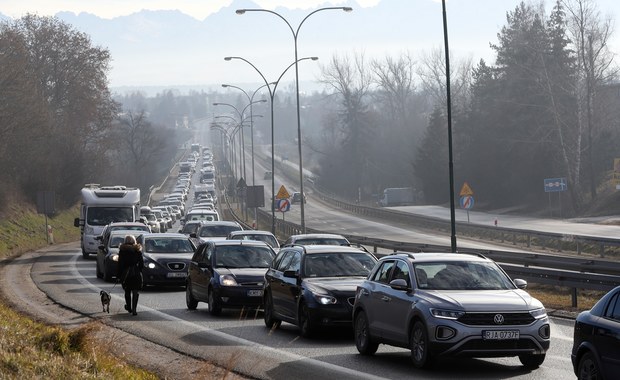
(176, 266)
(489, 319)
(506, 345)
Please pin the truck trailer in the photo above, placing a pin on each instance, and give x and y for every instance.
(102, 205)
(397, 196)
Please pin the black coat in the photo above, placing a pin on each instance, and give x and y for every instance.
(130, 255)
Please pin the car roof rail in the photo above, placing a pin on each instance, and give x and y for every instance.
(411, 255)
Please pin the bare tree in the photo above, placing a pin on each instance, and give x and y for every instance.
(351, 82)
(590, 34)
(432, 73)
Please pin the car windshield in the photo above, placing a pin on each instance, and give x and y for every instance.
(461, 276)
(168, 245)
(243, 257)
(116, 241)
(338, 264)
(217, 231)
(131, 228)
(259, 237)
(100, 216)
(190, 228)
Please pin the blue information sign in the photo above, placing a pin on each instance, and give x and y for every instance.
(555, 184)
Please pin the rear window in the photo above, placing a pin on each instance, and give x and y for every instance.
(168, 245)
(338, 264)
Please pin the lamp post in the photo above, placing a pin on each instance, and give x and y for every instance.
(295, 34)
(250, 100)
(272, 93)
(449, 116)
(241, 120)
(235, 129)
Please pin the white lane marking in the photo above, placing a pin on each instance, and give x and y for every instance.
(278, 354)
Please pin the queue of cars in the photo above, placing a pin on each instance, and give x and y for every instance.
(433, 304)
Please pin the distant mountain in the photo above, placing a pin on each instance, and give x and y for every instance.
(171, 48)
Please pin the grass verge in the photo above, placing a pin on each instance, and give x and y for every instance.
(30, 349)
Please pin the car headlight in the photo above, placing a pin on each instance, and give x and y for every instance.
(228, 280)
(447, 314)
(150, 265)
(89, 230)
(114, 257)
(324, 299)
(539, 313)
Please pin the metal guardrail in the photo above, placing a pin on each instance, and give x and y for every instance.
(575, 272)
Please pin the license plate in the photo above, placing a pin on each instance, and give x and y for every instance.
(255, 293)
(177, 274)
(500, 334)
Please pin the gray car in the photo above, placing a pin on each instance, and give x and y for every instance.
(445, 304)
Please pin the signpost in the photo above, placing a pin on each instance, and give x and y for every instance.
(282, 202)
(45, 205)
(555, 185)
(467, 198)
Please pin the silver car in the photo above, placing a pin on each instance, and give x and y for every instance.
(446, 304)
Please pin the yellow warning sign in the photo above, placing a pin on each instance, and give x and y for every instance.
(466, 190)
(282, 193)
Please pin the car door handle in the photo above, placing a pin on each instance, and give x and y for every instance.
(386, 299)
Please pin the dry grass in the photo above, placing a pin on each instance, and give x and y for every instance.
(557, 297)
(29, 349)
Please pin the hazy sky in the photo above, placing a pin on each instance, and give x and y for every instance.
(112, 8)
(467, 39)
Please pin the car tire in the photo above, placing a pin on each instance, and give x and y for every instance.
(190, 301)
(419, 345)
(363, 342)
(532, 361)
(98, 270)
(84, 254)
(270, 321)
(215, 308)
(588, 367)
(306, 325)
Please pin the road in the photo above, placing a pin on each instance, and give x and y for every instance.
(241, 341)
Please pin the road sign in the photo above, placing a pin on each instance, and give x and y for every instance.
(283, 205)
(466, 190)
(241, 184)
(467, 202)
(282, 193)
(555, 184)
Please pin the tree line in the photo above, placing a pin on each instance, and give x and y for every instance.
(59, 124)
(547, 108)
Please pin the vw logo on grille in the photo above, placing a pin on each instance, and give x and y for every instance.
(498, 319)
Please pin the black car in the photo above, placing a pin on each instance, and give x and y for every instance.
(228, 274)
(107, 255)
(314, 286)
(166, 258)
(596, 343)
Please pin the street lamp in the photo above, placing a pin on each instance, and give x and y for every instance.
(295, 34)
(272, 93)
(449, 115)
(242, 119)
(250, 99)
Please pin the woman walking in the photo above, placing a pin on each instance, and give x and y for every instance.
(130, 264)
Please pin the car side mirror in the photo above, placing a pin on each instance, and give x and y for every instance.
(521, 284)
(76, 222)
(101, 247)
(193, 235)
(399, 284)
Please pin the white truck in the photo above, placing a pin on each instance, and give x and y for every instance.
(397, 196)
(102, 205)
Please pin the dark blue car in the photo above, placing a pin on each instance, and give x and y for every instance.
(596, 343)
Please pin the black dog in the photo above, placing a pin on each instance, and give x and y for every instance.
(105, 300)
